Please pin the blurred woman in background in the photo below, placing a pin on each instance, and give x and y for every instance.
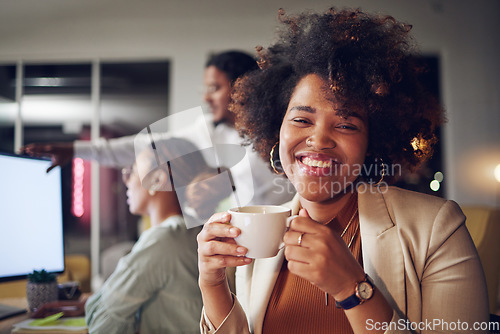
(154, 288)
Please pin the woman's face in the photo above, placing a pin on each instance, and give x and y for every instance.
(217, 94)
(137, 196)
(322, 145)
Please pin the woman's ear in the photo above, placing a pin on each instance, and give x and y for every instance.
(160, 181)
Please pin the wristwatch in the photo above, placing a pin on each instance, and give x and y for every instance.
(362, 292)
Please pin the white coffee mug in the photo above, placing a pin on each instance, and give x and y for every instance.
(262, 228)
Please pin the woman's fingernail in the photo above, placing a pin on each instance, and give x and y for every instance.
(241, 250)
(233, 232)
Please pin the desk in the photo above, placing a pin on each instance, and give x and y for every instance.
(6, 324)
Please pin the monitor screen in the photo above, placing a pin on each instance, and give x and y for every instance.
(31, 218)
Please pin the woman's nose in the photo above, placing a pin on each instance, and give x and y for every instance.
(321, 140)
(207, 95)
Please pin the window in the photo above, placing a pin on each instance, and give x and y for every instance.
(56, 105)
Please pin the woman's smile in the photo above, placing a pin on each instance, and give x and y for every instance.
(316, 164)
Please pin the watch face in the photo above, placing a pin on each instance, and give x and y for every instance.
(365, 290)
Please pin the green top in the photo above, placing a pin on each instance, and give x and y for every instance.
(154, 288)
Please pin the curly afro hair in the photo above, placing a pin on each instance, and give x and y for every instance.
(367, 60)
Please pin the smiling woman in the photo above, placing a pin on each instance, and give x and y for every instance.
(318, 139)
(339, 94)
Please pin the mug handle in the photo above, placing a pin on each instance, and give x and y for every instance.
(288, 221)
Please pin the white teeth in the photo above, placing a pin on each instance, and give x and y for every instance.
(316, 163)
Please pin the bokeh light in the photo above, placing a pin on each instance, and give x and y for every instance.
(497, 172)
(438, 176)
(434, 185)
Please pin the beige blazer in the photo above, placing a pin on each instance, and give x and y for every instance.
(416, 249)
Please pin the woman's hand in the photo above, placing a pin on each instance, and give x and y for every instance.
(218, 250)
(322, 258)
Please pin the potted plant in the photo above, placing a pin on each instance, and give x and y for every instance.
(41, 288)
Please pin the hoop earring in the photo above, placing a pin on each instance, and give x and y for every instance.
(382, 174)
(271, 159)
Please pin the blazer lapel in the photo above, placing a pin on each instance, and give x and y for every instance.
(382, 255)
(265, 274)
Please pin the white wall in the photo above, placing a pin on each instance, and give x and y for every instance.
(463, 32)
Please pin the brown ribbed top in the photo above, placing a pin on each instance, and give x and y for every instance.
(297, 306)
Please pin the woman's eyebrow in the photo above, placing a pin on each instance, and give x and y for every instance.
(340, 112)
(349, 113)
(304, 108)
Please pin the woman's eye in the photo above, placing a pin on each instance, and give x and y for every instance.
(347, 127)
(301, 121)
(212, 89)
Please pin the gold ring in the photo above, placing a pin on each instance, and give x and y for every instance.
(299, 241)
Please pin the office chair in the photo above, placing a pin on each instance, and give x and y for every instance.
(483, 224)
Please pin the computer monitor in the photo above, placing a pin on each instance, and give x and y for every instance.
(31, 217)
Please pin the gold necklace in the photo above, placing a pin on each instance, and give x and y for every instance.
(347, 226)
(341, 236)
